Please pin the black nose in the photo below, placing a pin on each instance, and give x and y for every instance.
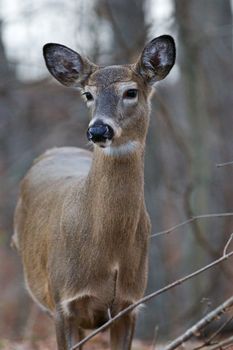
(100, 132)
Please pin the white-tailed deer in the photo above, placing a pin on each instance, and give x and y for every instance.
(81, 226)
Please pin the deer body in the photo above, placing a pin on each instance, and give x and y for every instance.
(81, 225)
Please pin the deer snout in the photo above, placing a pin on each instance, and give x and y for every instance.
(100, 132)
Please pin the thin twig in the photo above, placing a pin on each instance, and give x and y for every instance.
(208, 341)
(227, 244)
(175, 132)
(226, 347)
(155, 338)
(196, 217)
(224, 164)
(223, 344)
(151, 296)
(200, 324)
(197, 229)
(109, 314)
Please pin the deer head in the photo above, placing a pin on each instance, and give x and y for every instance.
(118, 96)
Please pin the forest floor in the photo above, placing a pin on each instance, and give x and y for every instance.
(38, 334)
(100, 342)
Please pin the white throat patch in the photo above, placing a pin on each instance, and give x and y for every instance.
(121, 150)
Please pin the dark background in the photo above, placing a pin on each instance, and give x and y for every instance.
(190, 132)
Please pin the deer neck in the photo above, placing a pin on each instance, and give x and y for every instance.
(116, 187)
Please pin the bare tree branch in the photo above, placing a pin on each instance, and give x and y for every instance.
(197, 230)
(227, 244)
(155, 338)
(223, 344)
(183, 223)
(210, 317)
(209, 341)
(175, 133)
(151, 296)
(223, 164)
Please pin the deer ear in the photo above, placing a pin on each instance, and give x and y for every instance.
(157, 59)
(66, 65)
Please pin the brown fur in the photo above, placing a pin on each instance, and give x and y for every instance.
(81, 225)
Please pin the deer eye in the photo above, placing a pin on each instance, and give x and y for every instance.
(131, 93)
(88, 96)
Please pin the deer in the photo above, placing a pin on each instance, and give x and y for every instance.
(81, 226)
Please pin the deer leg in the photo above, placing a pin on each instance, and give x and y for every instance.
(122, 333)
(81, 335)
(67, 332)
(62, 331)
(76, 335)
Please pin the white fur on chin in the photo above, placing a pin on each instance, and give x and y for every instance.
(121, 150)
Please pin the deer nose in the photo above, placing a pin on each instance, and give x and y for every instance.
(100, 132)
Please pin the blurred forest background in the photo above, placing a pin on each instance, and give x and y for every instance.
(190, 132)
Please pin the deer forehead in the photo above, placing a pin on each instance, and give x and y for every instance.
(119, 76)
